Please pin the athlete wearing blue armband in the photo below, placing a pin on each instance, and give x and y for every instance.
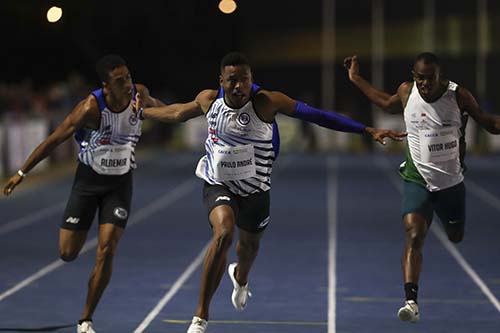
(241, 146)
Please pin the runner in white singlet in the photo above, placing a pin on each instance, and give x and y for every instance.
(435, 111)
(241, 146)
(107, 131)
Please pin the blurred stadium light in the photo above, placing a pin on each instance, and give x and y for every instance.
(292, 47)
(54, 14)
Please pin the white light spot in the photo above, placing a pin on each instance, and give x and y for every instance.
(54, 14)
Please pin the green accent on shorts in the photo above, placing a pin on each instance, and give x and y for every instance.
(409, 171)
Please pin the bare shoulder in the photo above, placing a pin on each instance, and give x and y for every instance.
(463, 92)
(268, 103)
(263, 97)
(87, 112)
(405, 88)
(206, 97)
(88, 105)
(465, 99)
(263, 93)
(142, 89)
(207, 94)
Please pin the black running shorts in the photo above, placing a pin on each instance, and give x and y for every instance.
(111, 195)
(251, 212)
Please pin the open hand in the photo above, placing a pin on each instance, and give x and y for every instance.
(137, 105)
(12, 183)
(352, 66)
(380, 134)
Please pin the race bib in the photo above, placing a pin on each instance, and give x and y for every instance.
(439, 145)
(234, 163)
(112, 160)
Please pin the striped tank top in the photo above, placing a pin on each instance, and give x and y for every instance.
(110, 149)
(240, 148)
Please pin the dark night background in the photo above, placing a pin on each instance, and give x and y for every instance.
(178, 44)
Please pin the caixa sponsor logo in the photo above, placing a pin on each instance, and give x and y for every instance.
(431, 135)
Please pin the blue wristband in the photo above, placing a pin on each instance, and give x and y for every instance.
(326, 119)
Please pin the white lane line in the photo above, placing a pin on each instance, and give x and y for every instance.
(161, 203)
(332, 195)
(452, 249)
(483, 194)
(171, 293)
(441, 235)
(31, 218)
(183, 278)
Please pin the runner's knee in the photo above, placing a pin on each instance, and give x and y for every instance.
(105, 251)
(415, 239)
(224, 238)
(415, 235)
(67, 255)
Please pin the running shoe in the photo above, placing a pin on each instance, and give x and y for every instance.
(240, 293)
(409, 312)
(85, 327)
(198, 325)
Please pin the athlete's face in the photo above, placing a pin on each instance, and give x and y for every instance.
(120, 82)
(237, 84)
(427, 78)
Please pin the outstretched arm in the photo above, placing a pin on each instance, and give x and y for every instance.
(268, 103)
(468, 103)
(389, 103)
(179, 112)
(85, 114)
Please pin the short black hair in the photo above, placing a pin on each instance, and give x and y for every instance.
(107, 63)
(428, 58)
(233, 59)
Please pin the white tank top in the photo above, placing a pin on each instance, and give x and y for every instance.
(434, 136)
(240, 148)
(110, 149)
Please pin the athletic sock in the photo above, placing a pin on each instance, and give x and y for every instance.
(82, 320)
(411, 291)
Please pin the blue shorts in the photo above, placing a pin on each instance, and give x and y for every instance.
(449, 204)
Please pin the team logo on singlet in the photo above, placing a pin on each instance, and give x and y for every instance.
(120, 213)
(133, 119)
(243, 119)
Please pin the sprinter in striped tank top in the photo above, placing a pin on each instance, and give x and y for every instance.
(107, 131)
(241, 146)
(435, 111)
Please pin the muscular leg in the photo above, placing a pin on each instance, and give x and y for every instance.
(223, 220)
(109, 236)
(416, 229)
(247, 250)
(450, 207)
(70, 243)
